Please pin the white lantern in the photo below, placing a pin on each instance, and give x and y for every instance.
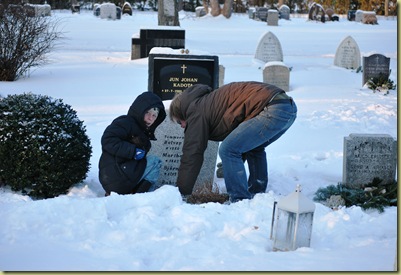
(293, 224)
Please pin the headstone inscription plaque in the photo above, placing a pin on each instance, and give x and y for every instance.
(170, 73)
(168, 147)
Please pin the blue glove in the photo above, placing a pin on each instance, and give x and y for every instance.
(139, 154)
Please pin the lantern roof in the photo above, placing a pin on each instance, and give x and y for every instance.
(296, 202)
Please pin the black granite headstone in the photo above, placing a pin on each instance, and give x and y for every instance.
(170, 74)
(375, 65)
(149, 38)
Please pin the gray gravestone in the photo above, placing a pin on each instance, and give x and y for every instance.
(269, 48)
(369, 156)
(276, 73)
(284, 11)
(272, 18)
(376, 65)
(348, 55)
(168, 147)
(261, 14)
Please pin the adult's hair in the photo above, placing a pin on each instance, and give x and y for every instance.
(175, 108)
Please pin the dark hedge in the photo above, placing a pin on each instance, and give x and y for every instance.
(44, 149)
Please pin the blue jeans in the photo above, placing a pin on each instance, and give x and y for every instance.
(152, 171)
(248, 142)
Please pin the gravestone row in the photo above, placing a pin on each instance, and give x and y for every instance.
(347, 56)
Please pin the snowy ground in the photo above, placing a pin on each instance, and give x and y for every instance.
(92, 72)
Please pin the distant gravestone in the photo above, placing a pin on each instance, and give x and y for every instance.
(261, 14)
(269, 48)
(272, 18)
(161, 36)
(335, 17)
(251, 12)
(276, 73)
(317, 13)
(358, 16)
(376, 65)
(351, 15)
(108, 11)
(168, 147)
(200, 11)
(348, 55)
(369, 17)
(127, 8)
(369, 156)
(170, 74)
(284, 12)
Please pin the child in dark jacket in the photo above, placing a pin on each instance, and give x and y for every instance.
(124, 166)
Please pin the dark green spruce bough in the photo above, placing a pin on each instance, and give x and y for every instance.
(373, 195)
(44, 149)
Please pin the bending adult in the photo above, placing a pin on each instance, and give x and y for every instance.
(246, 117)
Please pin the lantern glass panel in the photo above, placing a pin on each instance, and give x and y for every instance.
(292, 230)
(285, 229)
(304, 230)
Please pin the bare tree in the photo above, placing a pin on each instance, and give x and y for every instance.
(25, 39)
(216, 10)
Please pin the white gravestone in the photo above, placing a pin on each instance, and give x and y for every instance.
(269, 48)
(358, 16)
(348, 54)
(108, 11)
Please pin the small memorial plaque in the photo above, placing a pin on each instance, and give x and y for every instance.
(369, 156)
(170, 74)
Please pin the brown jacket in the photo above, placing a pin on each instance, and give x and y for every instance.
(213, 115)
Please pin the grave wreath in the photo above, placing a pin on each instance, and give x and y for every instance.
(374, 195)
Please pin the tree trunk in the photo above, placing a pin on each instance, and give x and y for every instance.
(215, 7)
(206, 6)
(168, 13)
(227, 8)
(386, 8)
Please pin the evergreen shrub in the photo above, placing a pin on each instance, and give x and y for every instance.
(44, 149)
